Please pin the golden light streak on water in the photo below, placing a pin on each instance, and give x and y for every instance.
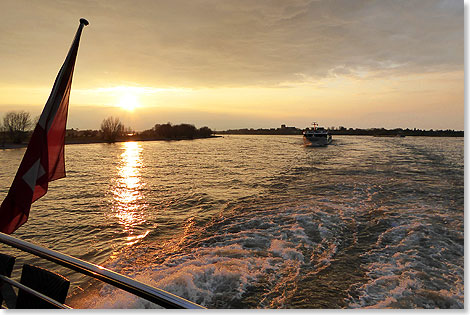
(127, 190)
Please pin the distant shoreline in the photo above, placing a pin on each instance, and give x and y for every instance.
(7, 146)
(377, 132)
(345, 134)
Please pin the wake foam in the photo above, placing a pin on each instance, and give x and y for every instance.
(415, 265)
(249, 257)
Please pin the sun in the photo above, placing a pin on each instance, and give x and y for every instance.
(128, 101)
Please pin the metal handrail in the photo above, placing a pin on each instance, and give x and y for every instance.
(34, 292)
(152, 294)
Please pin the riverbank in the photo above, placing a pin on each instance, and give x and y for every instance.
(378, 132)
(7, 146)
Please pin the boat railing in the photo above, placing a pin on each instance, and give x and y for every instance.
(160, 297)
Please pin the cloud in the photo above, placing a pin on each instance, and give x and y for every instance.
(212, 43)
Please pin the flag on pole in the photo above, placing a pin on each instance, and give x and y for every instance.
(43, 160)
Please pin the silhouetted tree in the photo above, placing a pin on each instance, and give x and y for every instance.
(17, 124)
(184, 131)
(112, 128)
(204, 132)
(164, 131)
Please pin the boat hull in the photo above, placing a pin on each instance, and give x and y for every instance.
(316, 141)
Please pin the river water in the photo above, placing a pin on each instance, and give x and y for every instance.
(259, 221)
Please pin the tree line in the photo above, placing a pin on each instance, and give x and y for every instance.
(348, 131)
(182, 131)
(16, 127)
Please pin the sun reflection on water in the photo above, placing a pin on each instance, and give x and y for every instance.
(128, 200)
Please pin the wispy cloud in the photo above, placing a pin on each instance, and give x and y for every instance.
(239, 43)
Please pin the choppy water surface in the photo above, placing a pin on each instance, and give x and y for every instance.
(260, 221)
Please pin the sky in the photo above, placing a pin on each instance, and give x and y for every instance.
(231, 64)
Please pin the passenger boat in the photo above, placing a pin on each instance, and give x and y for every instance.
(317, 136)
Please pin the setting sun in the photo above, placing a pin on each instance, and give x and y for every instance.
(128, 102)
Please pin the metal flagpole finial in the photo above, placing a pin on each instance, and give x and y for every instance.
(84, 21)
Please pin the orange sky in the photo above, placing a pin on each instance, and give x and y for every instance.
(240, 63)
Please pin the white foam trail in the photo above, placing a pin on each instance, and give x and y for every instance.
(220, 270)
(409, 268)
